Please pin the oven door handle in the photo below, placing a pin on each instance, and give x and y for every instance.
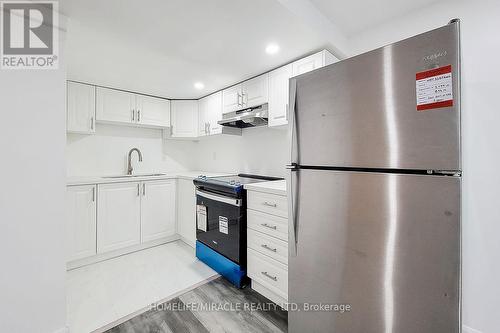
(220, 198)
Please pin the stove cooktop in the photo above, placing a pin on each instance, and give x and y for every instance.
(230, 184)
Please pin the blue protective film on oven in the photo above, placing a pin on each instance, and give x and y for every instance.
(225, 267)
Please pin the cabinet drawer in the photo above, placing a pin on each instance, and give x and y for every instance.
(268, 224)
(268, 203)
(270, 246)
(268, 272)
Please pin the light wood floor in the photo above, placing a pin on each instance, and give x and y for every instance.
(216, 306)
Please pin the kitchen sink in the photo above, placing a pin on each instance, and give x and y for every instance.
(137, 175)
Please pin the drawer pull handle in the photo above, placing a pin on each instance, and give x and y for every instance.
(270, 204)
(268, 226)
(266, 274)
(267, 247)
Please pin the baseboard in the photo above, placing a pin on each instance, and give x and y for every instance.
(64, 329)
(271, 295)
(117, 253)
(467, 329)
(188, 242)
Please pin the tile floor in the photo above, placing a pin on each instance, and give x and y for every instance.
(105, 292)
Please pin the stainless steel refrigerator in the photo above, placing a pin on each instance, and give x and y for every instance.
(374, 188)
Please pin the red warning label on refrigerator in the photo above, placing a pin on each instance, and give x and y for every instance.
(434, 88)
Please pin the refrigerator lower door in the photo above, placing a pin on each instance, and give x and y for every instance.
(387, 245)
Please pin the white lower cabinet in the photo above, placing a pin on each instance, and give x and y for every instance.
(109, 217)
(157, 210)
(267, 245)
(118, 216)
(81, 222)
(186, 210)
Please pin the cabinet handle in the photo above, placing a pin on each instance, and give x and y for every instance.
(92, 122)
(286, 111)
(139, 116)
(239, 96)
(93, 194)
(270, 204)
(242, 99)
(267, 247)
(138, 190)
(144, 189)
(208, 124)
(268, 226)
(133, 115)
(266, 274)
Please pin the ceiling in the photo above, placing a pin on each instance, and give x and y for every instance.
(162, 47)
(355, 16)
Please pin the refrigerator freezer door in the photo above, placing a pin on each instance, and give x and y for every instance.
(362, 111)
(388, 245)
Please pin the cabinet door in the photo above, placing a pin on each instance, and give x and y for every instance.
(157, 210)
(203, 116)
(80, 108)
(80, 222)
(255, 91)
(115, 106)
(308, 64)
(232, 99)
(184, 119)
(119, 216)
(152, 111)
(186, 211)
(214, 111)
(278, 95)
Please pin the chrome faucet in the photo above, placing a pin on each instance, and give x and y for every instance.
(130, 169)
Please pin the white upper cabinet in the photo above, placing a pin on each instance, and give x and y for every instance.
(255, 91)
(232, 99)
(115, 106)
(278, 95)
(152, 111)
(203, 116)
(214, 109)
(184, 118)
(247, 94)
(158, 210)
(210, 112)
(80, 108)
(312, 62)
(80, 222)
(119, 216)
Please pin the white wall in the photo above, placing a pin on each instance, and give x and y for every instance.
(480, 26)
(32, 169)
(260, 150)
(105, 153)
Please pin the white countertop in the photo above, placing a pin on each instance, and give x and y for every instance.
(277, 187)
(89, 180)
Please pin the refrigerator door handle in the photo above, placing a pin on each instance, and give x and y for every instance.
(292, 175)
(291, 183)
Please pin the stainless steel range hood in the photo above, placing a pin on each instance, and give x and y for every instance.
(252, 117)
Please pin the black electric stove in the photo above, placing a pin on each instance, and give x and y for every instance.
(221, 223)
(230, 185)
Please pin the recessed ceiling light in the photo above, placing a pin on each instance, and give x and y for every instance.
(272, 48)
(199, 85)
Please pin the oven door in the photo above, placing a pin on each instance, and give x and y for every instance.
(220, 224)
